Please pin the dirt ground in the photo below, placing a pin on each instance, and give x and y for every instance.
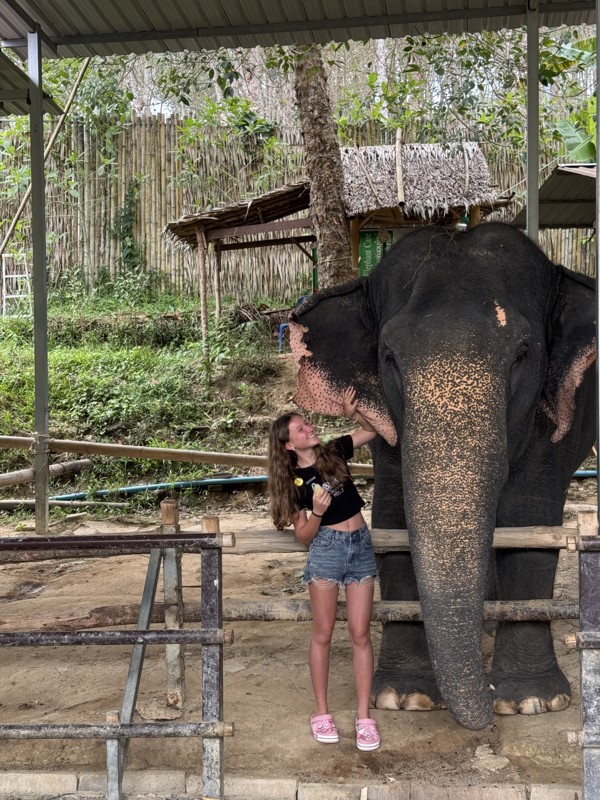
(267, 686)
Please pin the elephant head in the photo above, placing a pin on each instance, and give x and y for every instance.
(468, 352)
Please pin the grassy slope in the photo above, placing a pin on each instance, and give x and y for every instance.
(139, 378)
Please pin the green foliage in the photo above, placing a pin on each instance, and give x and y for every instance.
(132, 257)
(106, 387)
(470, 86)
(224, 117)
(579, 133)
(102, 101)
(124, 393)
(14, 157)
(181, 77)
(224, 73)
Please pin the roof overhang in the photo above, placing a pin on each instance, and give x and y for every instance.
(89, 28)
(15, 91)
(567, 198)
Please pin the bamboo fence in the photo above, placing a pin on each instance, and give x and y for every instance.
(88, 182)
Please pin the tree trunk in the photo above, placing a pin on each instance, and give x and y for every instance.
(324, 168)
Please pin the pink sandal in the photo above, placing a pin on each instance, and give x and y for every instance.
(323, 729)
(367, 735)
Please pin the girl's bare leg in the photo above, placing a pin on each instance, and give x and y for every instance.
(359, 602)
(323, 600)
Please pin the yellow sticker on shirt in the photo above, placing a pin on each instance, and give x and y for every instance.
(298, 481)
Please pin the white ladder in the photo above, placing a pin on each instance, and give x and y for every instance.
(16, 288)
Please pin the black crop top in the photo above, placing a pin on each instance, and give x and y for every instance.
(345, 500)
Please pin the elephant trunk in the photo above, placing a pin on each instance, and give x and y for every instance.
(453, 467)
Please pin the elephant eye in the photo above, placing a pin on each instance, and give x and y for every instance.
(389, 356)
(521, 353)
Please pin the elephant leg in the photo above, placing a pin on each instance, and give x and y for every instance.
(404, 675)
(525, 676)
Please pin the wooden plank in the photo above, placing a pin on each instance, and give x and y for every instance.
(290, 609)
(270, 242)
(387, 540)
(267, 227)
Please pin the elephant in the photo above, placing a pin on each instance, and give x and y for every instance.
(472, 355)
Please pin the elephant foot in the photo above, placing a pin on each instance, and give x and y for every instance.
(532, 705)
(530, 694)
(417, 701)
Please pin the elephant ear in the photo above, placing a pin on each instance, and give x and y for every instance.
(572, 348)
(333, 338)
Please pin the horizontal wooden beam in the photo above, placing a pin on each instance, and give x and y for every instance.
(45, 548)
(28, 475)
(308, 237)
(267, 227)
(290, 610)
(12, 505)
(123, 731)
(387, 540)
(153, 453)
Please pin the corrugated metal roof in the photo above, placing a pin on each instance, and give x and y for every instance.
(14, 90)
(89, 27)
(567, 198)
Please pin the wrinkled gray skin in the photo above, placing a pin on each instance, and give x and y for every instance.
(473, 356)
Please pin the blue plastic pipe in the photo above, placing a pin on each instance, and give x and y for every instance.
(150, 487)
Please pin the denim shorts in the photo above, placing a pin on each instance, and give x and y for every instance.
(341, 556)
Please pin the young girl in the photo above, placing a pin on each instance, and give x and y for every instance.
(304, 474)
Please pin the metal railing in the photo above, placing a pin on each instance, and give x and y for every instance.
(164, 547)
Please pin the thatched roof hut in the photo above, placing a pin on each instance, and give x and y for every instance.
(423, 180)
(394, 185)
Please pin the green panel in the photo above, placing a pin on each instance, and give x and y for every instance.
(371, 249)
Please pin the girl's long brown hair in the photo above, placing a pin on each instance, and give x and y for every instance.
(282, 491)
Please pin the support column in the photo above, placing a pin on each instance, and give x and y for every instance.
(40, 299)
(533, 120)
(213, 774)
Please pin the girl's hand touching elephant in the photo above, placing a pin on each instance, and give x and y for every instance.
(349, 403)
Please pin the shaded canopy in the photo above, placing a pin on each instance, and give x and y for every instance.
(79, 28)
(567, 198)
(15, 91)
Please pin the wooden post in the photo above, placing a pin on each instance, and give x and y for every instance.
(169, 514)
(217, 280)
(589, 653)
(587, 523)
(211, 603)
(173, 611)
(201, 238)
(474, 216)
(354, 243)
